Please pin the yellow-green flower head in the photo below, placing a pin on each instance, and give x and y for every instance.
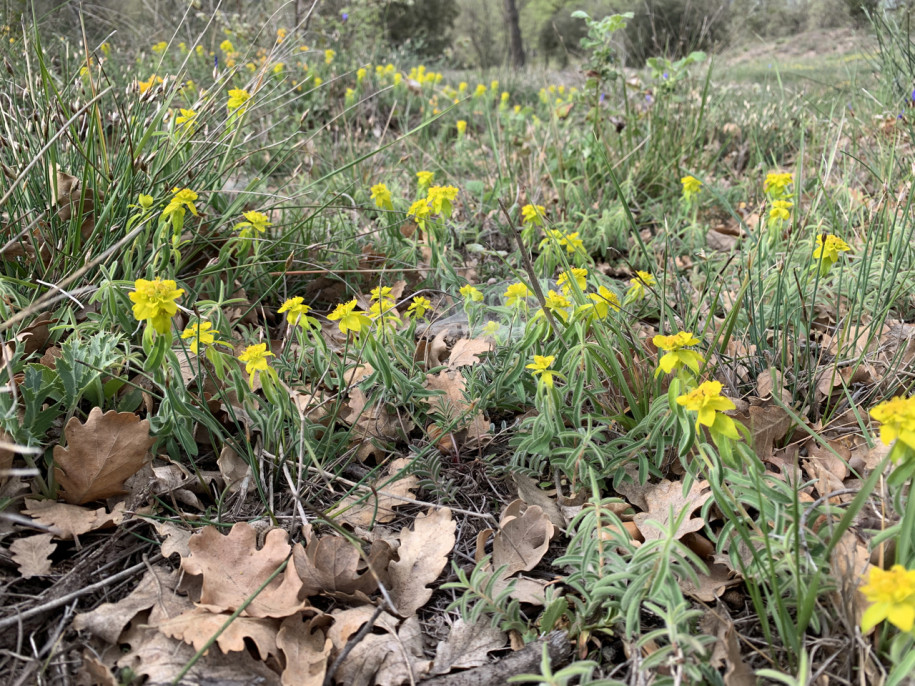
(892, 594)
(280, 35)
(418, 307)
(182, 198)
(897, 420)
(419, 210)
(145, 201)
(199, 332)
(691, 186)
(160, 47)
(572, 243)
(533, 214)
(479, 91)
(462, 87)
(146, 85)
(494, 85)
(516, 293)
(441, 199)
(676, 357)
(424, 178)
(471, 293)
(226, 46)
(541, 366)
(381, 293)
(781, 210)
(461, 127)
(154, 301)
(602, 302)
(278, 68)
(329, 56)
(579, 275)
(557, 304)
(827, 251)
(708, 402)
(186, 117)
(255, 359)
(776, 184)
(385, 312)
(237, 98)
(255, 220)
(360, 74)
(348, 319)
(296, 312)
(491, 329)
(382, 196)
(638, 285)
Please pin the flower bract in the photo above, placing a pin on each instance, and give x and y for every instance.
(154, 301)
(892, 597)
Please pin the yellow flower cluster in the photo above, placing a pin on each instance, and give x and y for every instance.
(892, 597)
(827, 252)
(154, 302)
(675, 356)
(776, 185)
(708, 404)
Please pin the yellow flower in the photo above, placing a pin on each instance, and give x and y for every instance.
(424, 178)
(557, 304)
(183, 197)
(146, 85)
(516, 293)
(892, 594)
(776, 185)
(462, 87)
(781, 211)
(827, 251)
(296, 311)
(258, 221)
(676, 357)
(278, 68)
(317, 81)
(441, 199)
(280, 35)
(360, 74)
(226, 46)
(691, 186)
(382, 196)
(145, 201)
(200, 332)
(897, 420)
(602, 302)
(418, 307)
(480, 90)
(255, 359)
(237, 98)
(106, 48)
(461, 127)
(579, 275)
(471, 293)
(541, 366)
(572, 243)
(494, 85)
(186, 118)
(638, 285)
(154, 301)
(160, 47)
(329, 56)
(349, 320)
(385, 312)
(533, 214)
(708, 402)
(419, 210)
(504, 98)
(380, 292)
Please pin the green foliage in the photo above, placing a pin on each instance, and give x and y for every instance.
(424, 26)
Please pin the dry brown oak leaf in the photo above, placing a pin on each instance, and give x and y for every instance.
(423, 554)
(233, 569)
(523, 540)
(331, 564)
(666, 502)
(33, 554)
(100, 455)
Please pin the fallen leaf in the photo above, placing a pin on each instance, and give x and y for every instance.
(666, 502)
(176, 538)
(386, 659)
(93, 672)
(108, 620)
(235, 471)
(100, 455)
(348, 622)
(306, 649)
(522, 540)
(422, 556)
(768, 424)
(33, 554)
(710, 586)
(70, 521)
(378, 505)
(233, 569)
(331, 564)
(196, 627)
(467, 646)
(532, 494)
(466, 351)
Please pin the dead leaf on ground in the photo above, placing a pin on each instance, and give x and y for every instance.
(466, 351)
(388, 659)
(467, 646)
(710, 586)
(100, 455)
(306, 648)
(196, 627)
(373, 422)
(70, 521)
(33, 554)
(175, 537)
(233, 569)
(523, 539)
(532, 494)
(768, 424)
(378, 506)
(235, 471)
(666, 502)
(333, 565)
(422, 556)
